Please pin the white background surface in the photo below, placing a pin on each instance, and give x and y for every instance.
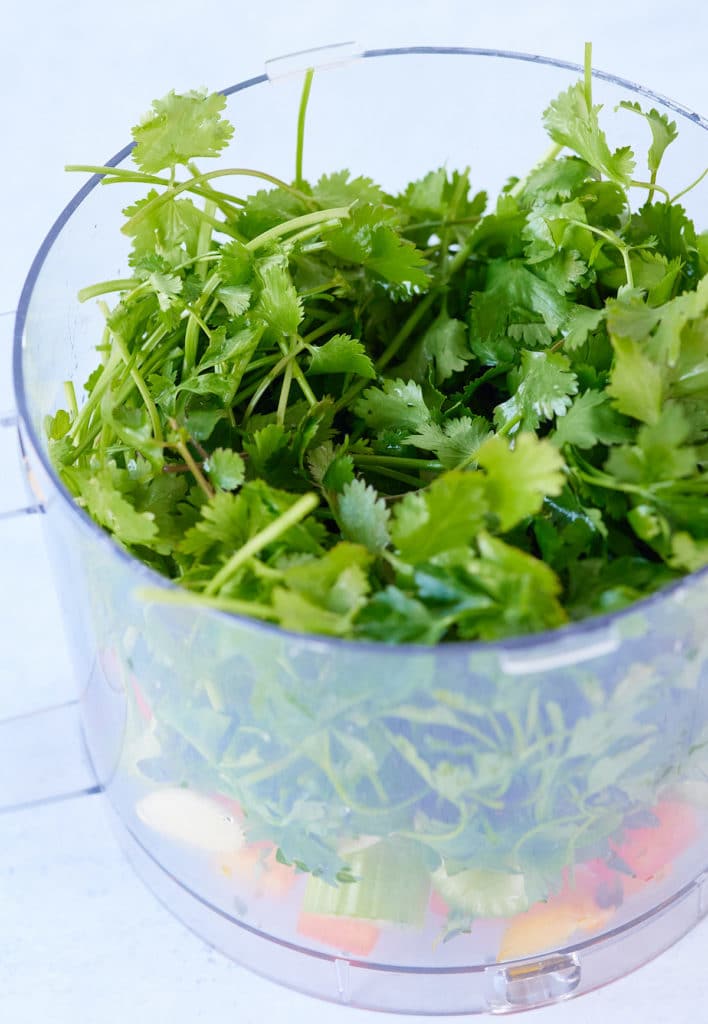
(80, 938)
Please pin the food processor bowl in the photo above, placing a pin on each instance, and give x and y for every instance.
(475, 827)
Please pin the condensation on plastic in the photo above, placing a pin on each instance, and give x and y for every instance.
(146, 662)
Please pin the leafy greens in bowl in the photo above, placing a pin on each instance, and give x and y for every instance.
(402, 418)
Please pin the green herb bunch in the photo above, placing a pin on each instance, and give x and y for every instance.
(401, 418)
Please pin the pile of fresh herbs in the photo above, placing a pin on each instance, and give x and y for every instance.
(401, 417)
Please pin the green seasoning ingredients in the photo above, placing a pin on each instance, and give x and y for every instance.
(411, 417)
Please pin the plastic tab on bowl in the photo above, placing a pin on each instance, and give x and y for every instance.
(318, 57)
(528, 661)
(536, 983)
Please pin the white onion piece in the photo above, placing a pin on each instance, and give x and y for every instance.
(191, 818)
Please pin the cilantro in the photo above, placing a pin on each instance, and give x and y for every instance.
(663, 133)
(517, 479)
(225, 469)
(400, 419)
(422, 364)
(541, 389)
(397, 404)
(342, 354)
(364, 516)
(180, 128)
(571, 121)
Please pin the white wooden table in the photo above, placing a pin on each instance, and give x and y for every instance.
(81, 939)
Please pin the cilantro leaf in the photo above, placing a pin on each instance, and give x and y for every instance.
(448, 515)
(541, 389)
(114, 511)
(636, 383)
(516, 480)
(369, 237)
(226, 469)
(179, 128)
(581, 322)
(589, 420)
(571, 122)
(322, 595)
(663, 132)
(342, 354)
(394, 617)
(279, 303)
(661, 452)
(455, 441)
(526, 591)
(339, 189)
(397, 404)
(364, 516)
(445, 343)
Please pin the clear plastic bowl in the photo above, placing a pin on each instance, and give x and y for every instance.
(219, 740)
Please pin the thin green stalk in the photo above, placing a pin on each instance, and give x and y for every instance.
(302, 114)
(70, 393)
(284, 393)
(393, 474)
(187, 186)
(294, 224)
(187, 598)
(547, 158)
(688, 188)
(298, 511)
(623, 249)
(118, 284)
(191, 338)
(652, 187)
(263, 384)
(325, 328)
(196, 472)
(142, 388)
(395, 460)
(588, 75)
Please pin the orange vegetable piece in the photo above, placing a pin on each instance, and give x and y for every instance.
(437, 904)
(650, 851)
(262, 871)
(343, 933)
(545, 926)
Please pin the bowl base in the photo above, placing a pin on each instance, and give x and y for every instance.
(489, 988)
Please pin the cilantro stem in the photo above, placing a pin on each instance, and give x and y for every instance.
(325, 328)
(119, 175)
(284, 393)
(188, 186)
(548, 156)
(70, 392)
(184, 451)
(183, 597)
(651, 186)
(191, 337)
(613, 240)
(587, 77)
(265, 382)
(320, 217)
(297, 511)
(406, 330)
(393, 474)
(395, 460)
(688, 188)
(119, 284)
(302, 114)
(503, 431)
(141, 386)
